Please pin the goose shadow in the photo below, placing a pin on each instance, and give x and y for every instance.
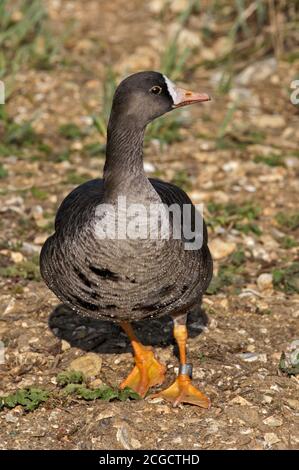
(106, 337)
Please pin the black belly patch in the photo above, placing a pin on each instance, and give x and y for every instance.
(104, 273)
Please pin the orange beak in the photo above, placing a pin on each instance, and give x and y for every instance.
(186, 97)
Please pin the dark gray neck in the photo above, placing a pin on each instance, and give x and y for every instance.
(123, 169)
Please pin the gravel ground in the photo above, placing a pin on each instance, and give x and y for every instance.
(251, 315)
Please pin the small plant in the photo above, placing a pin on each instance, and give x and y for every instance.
(27, 269)
(95, 149)
(287, 279)
(240, 217)
(173, 62)
(74, 178)
(104, 393)
(182, 180)
(73, 383)
(270, 160)
(19, 134)
(288, 220)
(38, 193)
(25, 38)
(289, 367)
(230, 273)
(100, 121)
(288, 242)
(166, 129)
(3, 171)
(71, 131)
(29, 398)
(70, 377)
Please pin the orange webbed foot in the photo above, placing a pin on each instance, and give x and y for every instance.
(147, 372)
(182, 391)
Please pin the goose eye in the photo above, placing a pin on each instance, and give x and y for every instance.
(156, 90)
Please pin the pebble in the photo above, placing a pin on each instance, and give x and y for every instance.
(177, 6)
(265, 281)
(11, 418)
(40, 239)
(220, 249)
(252, 357)
(65, 345)
(90, 364)
(123, 436)
(37, 212)
(271, 438)
(274, 121)
(149, 167)
(97, 383)
(233, 165)
(238, 400)
(16, 256)
(77, 146)
(244, 96)
(257, 72)
(272, 421)
(30, 248)
(294, 404)
(267, 399)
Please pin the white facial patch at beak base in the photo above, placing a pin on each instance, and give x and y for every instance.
(172, 90)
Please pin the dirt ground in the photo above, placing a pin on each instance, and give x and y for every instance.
(246, 156)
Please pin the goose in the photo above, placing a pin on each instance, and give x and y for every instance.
(104, 273)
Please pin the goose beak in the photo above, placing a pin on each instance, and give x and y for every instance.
(185, 97)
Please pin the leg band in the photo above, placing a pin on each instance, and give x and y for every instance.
(186, 369)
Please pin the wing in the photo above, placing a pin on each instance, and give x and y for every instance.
(84, 196)
(171, 194)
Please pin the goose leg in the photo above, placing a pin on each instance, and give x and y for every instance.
(182, 390)
(147, 371)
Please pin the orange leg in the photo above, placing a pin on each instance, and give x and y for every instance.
(147, 371)
(182, 390)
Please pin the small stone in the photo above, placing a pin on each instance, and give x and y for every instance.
(271, 438)
(156, 6)
(17, 257)
(272, 421)
(90, 365)
(220, 249)
(244, 96)
(294, 404)
(11, 418)
(30, 249)
(149, 167)
(267, 399)
(105, 415)
(257, 72)
(231, 166)
(177, 6)
(252, 357)
(77, 146)
(265, 281)
(238, 400)
(135, 443)
(40, 239)
(37, 212)
(97, 383)
(125, 438)
(42, 223)
(65, 345)
(274, 121)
